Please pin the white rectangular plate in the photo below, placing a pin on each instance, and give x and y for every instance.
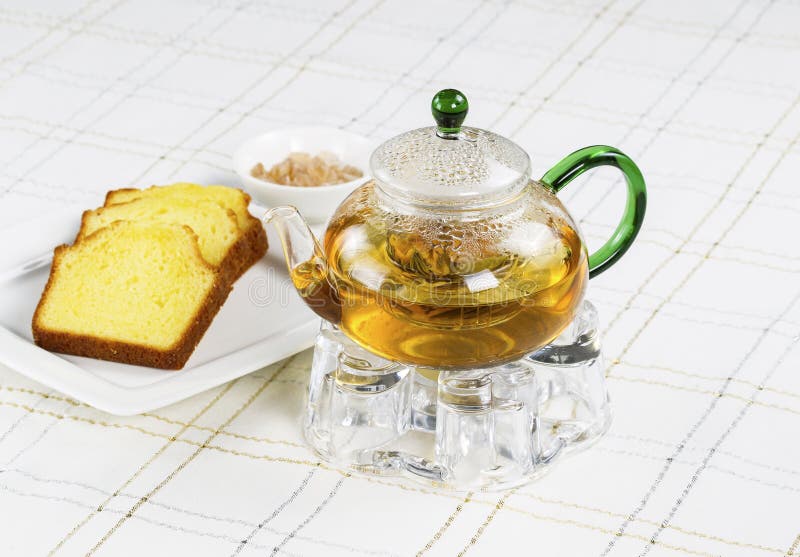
(262, 321)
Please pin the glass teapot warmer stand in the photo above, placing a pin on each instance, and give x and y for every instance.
(490, 428)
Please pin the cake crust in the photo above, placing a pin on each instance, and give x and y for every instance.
(109, 198)
(248, 249)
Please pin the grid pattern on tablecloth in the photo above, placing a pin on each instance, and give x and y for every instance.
(701, 319)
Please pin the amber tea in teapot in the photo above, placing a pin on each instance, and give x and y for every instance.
(451, 302)
(451, 257)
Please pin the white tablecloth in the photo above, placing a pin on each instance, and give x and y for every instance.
(701, 318)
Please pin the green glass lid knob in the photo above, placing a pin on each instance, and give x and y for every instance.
(449, 108)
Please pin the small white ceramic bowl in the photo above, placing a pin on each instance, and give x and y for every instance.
(316, 204)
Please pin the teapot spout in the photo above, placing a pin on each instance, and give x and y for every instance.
(306, 262)
(298, 242)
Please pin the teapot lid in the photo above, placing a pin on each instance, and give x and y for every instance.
(450, 165)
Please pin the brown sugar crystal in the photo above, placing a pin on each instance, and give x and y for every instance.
(305, 170)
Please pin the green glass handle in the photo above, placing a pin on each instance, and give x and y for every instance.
(572, 166)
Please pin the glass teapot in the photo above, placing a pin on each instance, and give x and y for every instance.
(451, 256)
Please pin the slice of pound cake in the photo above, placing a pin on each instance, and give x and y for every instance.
(133, 292)
(252, 244)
